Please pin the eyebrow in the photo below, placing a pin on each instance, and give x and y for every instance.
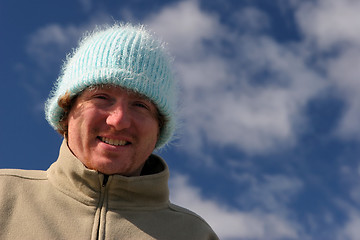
(130, 92)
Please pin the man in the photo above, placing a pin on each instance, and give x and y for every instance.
(114, 103)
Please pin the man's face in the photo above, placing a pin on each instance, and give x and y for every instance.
(112, 130)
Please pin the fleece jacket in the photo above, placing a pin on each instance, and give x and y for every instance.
(69, 201)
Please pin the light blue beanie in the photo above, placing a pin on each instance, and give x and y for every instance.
(121, 55)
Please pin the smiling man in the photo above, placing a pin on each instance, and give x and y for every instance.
(114, 103)
(112, 130)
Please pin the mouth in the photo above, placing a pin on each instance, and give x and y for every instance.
(113, 142)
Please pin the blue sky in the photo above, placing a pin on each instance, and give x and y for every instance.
(269, 139)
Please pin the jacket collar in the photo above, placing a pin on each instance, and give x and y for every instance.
(71, 177)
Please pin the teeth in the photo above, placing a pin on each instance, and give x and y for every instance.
(113, 141)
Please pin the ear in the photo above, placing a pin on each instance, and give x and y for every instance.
(63, 126)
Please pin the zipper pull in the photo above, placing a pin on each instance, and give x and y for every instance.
(105, 180)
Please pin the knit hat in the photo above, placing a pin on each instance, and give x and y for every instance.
(121, 55)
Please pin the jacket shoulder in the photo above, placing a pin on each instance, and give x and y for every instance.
(194, 220)
(186, 211)
(23, 174)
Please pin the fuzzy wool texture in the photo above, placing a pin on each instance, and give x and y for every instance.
(122, 55)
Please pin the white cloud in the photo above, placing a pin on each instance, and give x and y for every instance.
(334, 27)
(271, 192)
(330, 22)
(47, 44)
(50, 43)
(218, 68)
(184, 27)
(346, 77)
(349, 203)
(229, 222)
(350, 229)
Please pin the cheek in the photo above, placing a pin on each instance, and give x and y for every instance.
(73, 134)
(73, 123)
(153, 132)
(78, 127)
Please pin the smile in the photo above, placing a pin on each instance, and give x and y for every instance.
(114, 142)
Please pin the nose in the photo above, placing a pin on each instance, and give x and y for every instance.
(118, 117)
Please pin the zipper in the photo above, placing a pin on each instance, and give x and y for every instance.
(105, 180)
(99, 223)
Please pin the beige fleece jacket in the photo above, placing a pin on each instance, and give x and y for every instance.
(69, 201)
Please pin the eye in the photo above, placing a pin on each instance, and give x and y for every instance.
(141, 105)
(101, 96)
